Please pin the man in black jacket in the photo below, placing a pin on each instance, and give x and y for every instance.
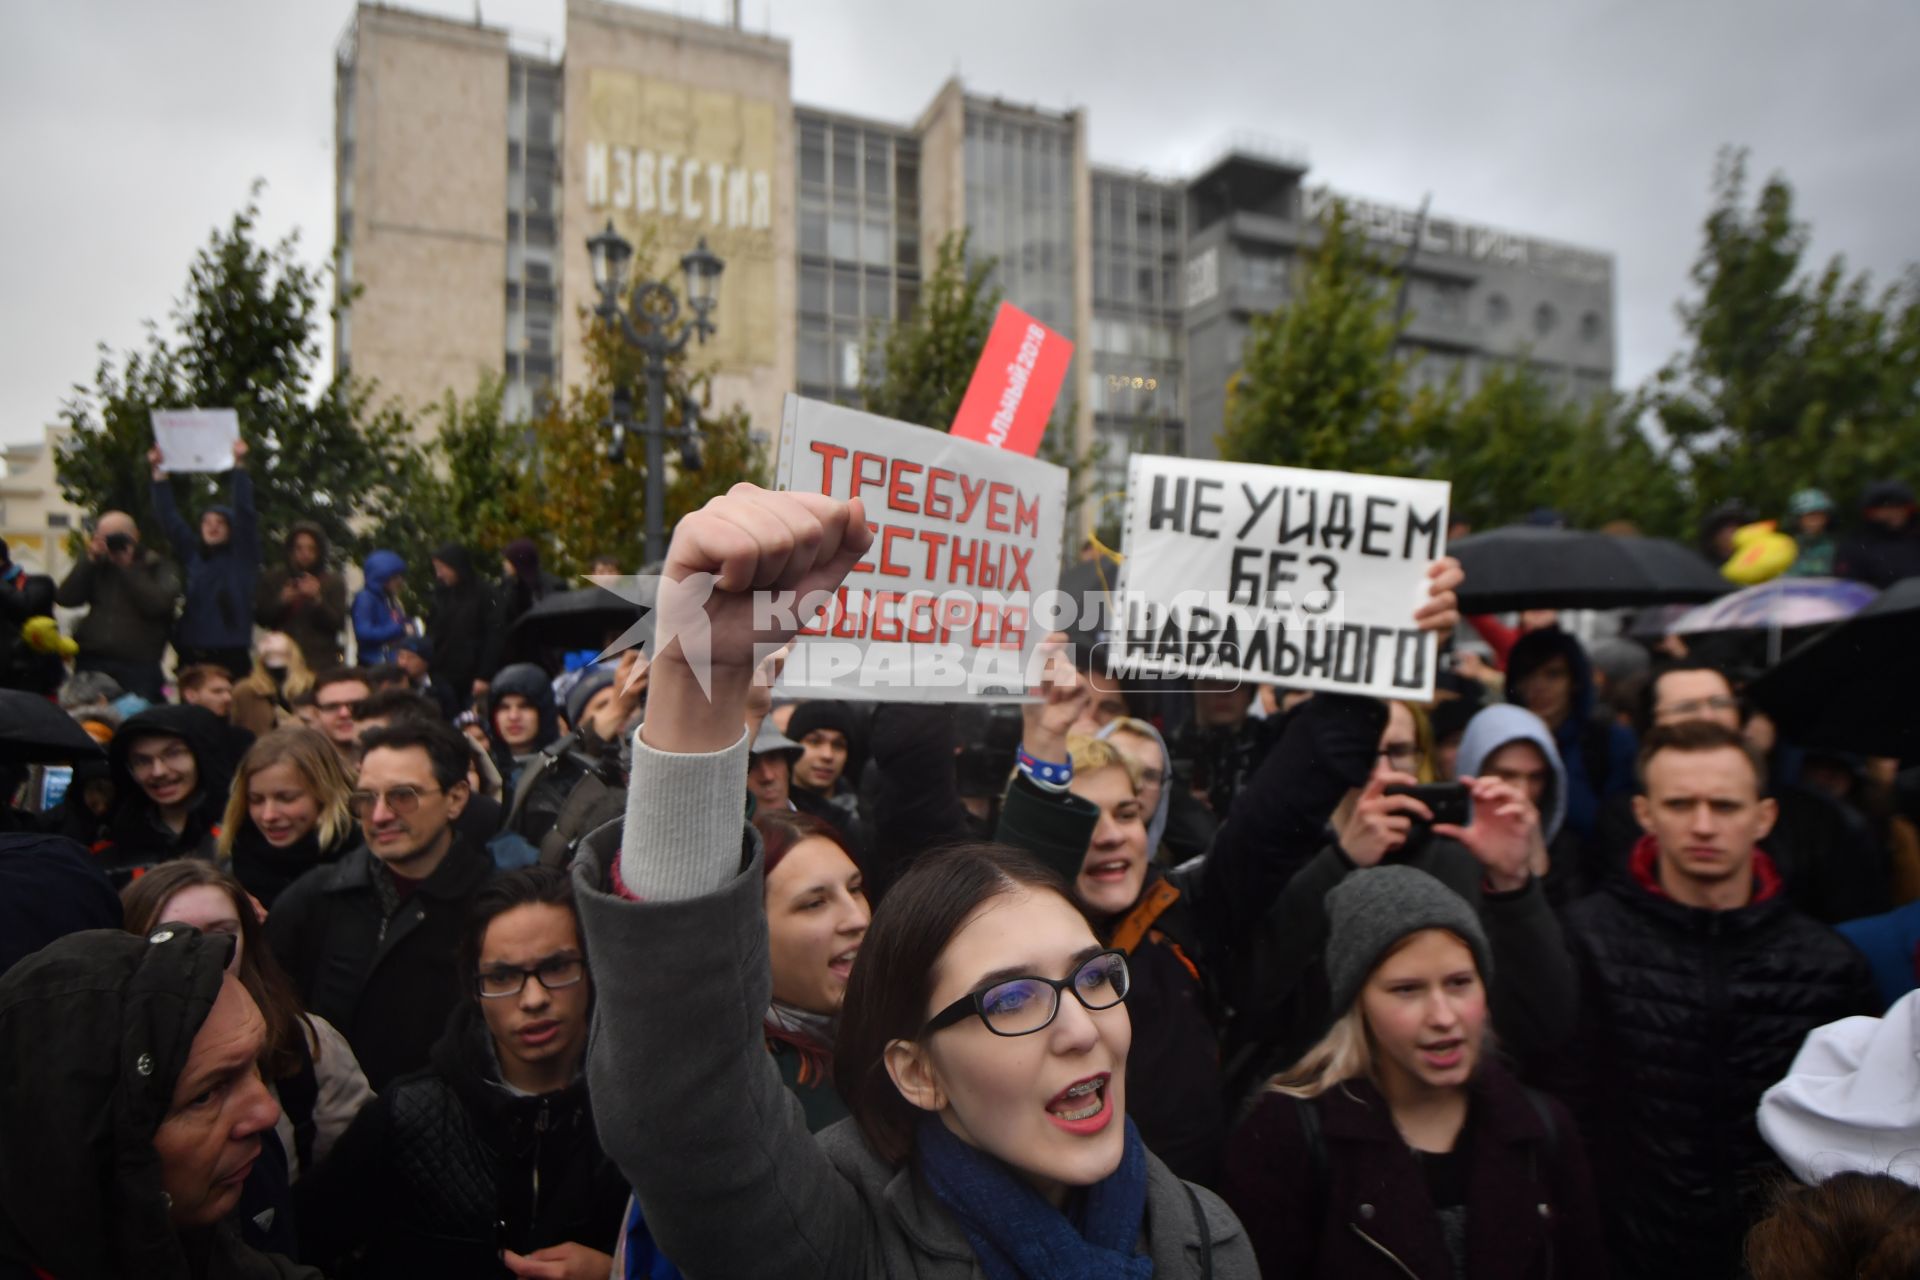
(370, 940)
(129, 592)
(460, 620)
(172, 766)
(1699, 981)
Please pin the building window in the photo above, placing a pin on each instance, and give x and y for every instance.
(813, 154)
(1498, 309)
(1591, 328)
(1545, 319)
(813, 291)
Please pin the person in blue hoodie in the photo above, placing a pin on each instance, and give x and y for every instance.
(379, 621)
(222, 563)
(1514, 745)
(1548, 673)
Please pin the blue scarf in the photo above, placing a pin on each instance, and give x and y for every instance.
(1017, 1235)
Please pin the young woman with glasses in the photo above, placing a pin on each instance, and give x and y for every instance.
(288, 811)
(486, 1163)
(983, 1043)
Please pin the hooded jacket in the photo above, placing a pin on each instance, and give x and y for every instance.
(95, 1030)
(1686, 1016)
(526, 585)
(449, 1165)
(313, 624)
(218, 613)
(378, 620)
(1596, 756)
(460, 620)
(49, 887)
(1157, 822)
(1569, 874)
(136, 838)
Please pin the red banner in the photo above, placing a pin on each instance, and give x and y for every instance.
(1015, 384)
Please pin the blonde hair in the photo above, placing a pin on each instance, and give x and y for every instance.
(1423, 739)
(1089, 753)
(1346, 1051)
(317, 763)
(299, 675)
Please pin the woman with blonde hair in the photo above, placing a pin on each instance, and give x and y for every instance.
(1397, 1145)
(264, 700)
(287, 812)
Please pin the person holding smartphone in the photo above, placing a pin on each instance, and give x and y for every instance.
(1391, 822)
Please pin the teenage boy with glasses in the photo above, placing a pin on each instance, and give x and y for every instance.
(488, 1161)
(371, 940)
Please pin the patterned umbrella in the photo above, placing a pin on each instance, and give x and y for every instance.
(1781, 605)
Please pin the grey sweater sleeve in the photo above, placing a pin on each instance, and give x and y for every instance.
(686, 1098)
(682, 834)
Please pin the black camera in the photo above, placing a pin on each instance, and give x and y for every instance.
(1450, 802)
(118, 542)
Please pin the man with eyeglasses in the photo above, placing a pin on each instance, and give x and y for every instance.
(490, 1155)
(370, 940)
(335, 694)
(1835, 869)
(171, 772)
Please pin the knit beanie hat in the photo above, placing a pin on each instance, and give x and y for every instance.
(1374, 908)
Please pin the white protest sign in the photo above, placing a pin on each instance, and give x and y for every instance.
(1275, 574)
(196, 439)
(966, 537)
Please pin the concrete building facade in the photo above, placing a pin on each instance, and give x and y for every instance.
(472, 170)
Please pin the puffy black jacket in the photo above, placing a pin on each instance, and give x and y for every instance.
(1687, 1016)
(446, 1168)
(388, 981)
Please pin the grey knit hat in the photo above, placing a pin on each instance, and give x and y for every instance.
(1375, 907)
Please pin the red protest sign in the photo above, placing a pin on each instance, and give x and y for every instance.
(1015, 384)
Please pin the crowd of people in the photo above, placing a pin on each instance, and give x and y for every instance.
(1581, 969)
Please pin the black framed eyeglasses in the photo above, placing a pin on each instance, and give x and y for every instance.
(554, 973)
(402, 800)
(1021, 1006)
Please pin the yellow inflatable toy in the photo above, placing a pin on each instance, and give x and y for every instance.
(42, 635)
(1761, 553)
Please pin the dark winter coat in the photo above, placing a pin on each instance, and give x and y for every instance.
(49, 887)
(218, 613)
(129, 611)
(313, 624)
(447, 1167)
(94, 1033)
(267, 872)
(1284, 1004)
(388, 982)
(1363, 1210)
(378, 619)
(136, 838)
(460, 620)
(25, 595)
(1880, 556)
(1687, 1016)
(512, 598)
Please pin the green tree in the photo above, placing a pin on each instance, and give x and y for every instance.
(919, 372)
(1321, 384)
(247, 339)
(1791, 377)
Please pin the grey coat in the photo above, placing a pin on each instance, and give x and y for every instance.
(690, 1106)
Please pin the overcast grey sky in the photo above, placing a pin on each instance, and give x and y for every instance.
(132, 128)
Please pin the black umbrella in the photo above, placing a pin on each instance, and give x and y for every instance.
(1854, 688)
(1525, 567)
(35, 731)
(590, 618)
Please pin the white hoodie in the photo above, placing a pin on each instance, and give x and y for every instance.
(1851, 1101)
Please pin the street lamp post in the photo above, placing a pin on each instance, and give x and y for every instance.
(649, 324)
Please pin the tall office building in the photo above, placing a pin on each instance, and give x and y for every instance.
(473, 167)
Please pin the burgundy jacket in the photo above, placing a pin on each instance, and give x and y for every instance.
(1530, 1202)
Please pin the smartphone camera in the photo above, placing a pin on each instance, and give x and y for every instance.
(1450, 802)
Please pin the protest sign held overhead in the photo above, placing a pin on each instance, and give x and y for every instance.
(196, 439)
(966, 537)
(1303, 578)
(1012, 391)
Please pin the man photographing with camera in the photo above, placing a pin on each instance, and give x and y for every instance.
(129, 593)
